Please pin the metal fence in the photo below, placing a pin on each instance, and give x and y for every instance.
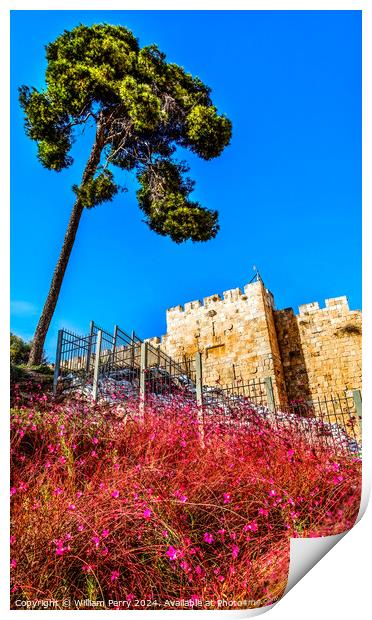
(119, 366)
(101, 363)
(97, 362)
(163, 376)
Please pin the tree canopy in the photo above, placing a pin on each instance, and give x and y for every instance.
(144, 108)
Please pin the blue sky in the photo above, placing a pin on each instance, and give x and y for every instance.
(288, 188)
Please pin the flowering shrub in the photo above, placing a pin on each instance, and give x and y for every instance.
(109, 507)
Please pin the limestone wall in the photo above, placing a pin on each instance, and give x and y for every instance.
(242, 337)
(320, 348)
(235, 333)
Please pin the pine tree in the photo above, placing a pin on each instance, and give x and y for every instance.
(143, 108)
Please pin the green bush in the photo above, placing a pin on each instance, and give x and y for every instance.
(19, 350)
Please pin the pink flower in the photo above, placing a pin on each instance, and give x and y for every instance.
(226, 498)
(13, 491)
(115, 494)
(165, 533)
(93, 453)
(251, 527)
(12, 539)
(96, 540)
(172, 553)
(185, 565)
(262, 511)
(337, 479)
(13, 563)
(208, 538)
(95, 440)
(57, 491)
(60, 549)
(115, 575)
(80, 527)
(235, 551)
(182, 498)
(71, 507)
(105, 533)
(147, 513)
(272, 493)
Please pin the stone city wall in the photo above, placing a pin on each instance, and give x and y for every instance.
(242, 337)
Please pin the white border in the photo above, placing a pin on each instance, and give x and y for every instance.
(339, 584)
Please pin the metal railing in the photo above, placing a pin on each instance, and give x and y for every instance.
(97, 361)
(100, 361)
(118, 366)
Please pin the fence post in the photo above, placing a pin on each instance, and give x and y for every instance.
(97, 359)
(270, 393)
(132, 337)
(89, 353)
(357, 395)
(199, 394)
(158, 350)
(114, 343)
(143, 368)
(57, 364)
(199, 378)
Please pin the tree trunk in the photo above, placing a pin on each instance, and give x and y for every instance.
(37, 349)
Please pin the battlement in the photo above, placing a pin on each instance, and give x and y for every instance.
(333, 303)
(341, 303)
(232, 294)
(252, 292)
(242, 336)
(308, 308)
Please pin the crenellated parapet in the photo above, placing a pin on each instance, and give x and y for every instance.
(320, 348)
(250, 302)
(242, 336)
(334, 303)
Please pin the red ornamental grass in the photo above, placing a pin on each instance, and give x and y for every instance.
(159, 515)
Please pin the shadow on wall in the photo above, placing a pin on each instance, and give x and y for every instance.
(291, 352)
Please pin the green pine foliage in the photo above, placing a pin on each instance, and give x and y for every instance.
(145, 108)
(97, 190)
